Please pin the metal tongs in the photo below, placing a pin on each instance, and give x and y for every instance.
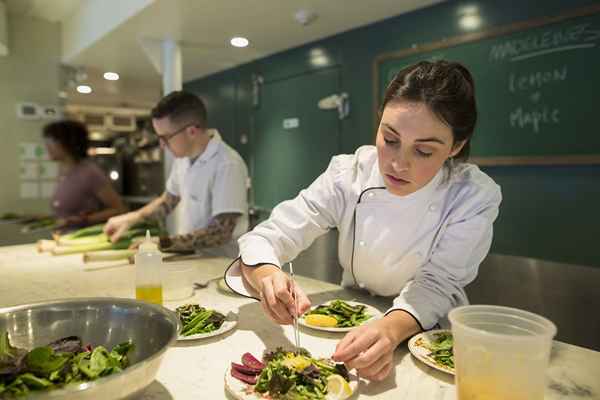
(295, 315)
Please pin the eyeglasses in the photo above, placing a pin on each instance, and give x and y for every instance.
(164, 139)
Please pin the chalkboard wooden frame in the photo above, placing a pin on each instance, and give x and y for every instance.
(575, 159)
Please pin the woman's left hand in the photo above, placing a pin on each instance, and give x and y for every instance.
(369, 349)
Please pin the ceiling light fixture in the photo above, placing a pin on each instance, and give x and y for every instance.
(239, 41)
(111, 76)
(319, 58)
(469, 17)
(84, 89)
(470, 22)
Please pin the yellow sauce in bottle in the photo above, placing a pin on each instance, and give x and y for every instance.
(149, 294)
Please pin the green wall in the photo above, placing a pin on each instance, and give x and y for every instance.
(548, 212)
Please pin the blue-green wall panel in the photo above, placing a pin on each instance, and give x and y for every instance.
(548, 212)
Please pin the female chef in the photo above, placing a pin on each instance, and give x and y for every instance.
(84, 195)
(414, 219)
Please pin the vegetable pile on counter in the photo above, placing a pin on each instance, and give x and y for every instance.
(92, 239)
(337, 313)
(10, 216)
(441, 350)
(196, 319)
(293, 375)
(55, 365)
(41, 223)
(30, 222)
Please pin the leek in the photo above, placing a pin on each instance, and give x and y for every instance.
(66, 241)
(83, 248)
(107, 255)
(75, 243)
(77, 237)
(93, 230)
(44, 245)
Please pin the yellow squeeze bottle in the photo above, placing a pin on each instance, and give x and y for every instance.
(148, 262)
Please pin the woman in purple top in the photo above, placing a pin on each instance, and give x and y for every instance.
(84, 195)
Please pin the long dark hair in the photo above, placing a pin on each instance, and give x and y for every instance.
(447, 88)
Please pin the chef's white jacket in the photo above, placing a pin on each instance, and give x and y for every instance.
(215, 183)
(423, 248)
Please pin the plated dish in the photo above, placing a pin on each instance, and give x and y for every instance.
(434, 348)
(282, 374)
(339, 316)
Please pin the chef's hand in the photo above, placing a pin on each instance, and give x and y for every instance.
(370, 348)
(275, 290)
(118, 225)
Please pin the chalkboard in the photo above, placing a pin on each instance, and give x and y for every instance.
(537, 87)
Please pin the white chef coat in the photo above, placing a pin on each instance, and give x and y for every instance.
(423, 248)
(215, 183)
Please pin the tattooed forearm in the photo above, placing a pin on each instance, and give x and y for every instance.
(217, 233)
(166, 204)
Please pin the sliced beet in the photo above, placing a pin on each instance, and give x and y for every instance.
(250, 379)
(249, 361)
(244, 369)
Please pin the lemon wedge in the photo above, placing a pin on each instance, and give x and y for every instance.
(320, 320)
(338, 388)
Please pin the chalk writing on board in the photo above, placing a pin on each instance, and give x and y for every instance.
(579, 36)
(534, 118)
(535, 80)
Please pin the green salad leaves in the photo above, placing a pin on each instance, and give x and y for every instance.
(296, 375)
(441, 349)
(55, 365)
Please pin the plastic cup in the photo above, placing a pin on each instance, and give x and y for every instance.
(500, 353)
(178, 281)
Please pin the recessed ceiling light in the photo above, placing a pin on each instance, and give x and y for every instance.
(85, 89)
(470, 22)
(111, 76)
(239, 42)
(319, 58)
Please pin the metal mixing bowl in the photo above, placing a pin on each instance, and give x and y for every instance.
(98, 321)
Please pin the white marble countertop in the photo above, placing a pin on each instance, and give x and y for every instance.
(195, 370)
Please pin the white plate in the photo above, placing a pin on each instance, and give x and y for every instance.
(229, 323)
(418, 347)
(243, 391)
(372, 311)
